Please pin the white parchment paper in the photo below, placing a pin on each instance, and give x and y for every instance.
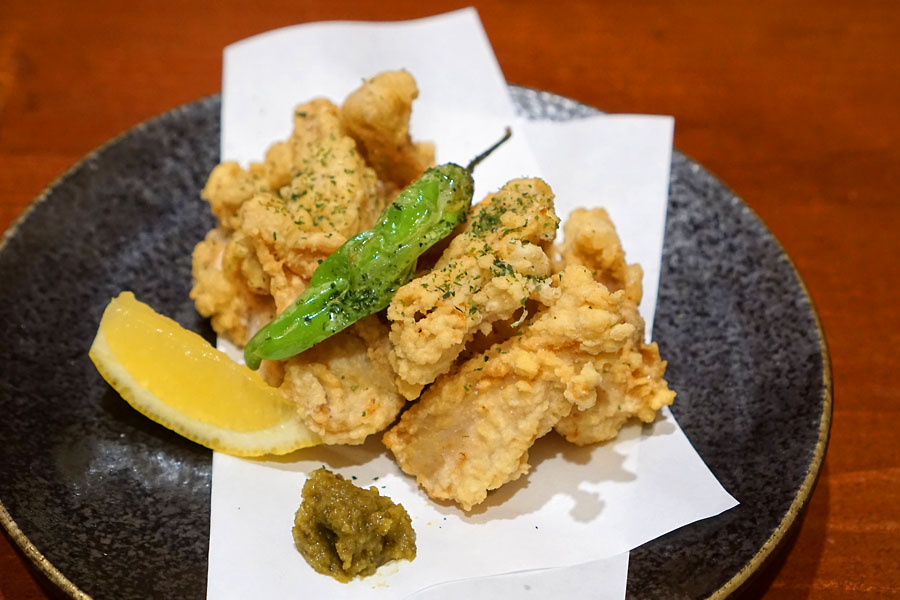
(570, 522)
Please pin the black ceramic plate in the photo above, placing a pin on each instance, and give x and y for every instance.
(108, 504)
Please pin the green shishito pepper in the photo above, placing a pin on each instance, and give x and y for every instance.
(361, 277)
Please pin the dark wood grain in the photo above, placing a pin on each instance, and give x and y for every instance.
(796, 106)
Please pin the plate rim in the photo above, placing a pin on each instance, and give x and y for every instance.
(793, 516)
(12, 529)
(748, 572)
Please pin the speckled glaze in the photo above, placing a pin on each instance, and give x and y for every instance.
(109, 505)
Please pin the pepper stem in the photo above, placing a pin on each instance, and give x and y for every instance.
(474, 162)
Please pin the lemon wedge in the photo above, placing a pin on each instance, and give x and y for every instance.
(176, 378)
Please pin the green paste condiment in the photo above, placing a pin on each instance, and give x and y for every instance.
(346, 531)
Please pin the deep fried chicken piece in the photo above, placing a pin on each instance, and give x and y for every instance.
(377, 116)
(487, 274)
(344, 387)
(229, 186)
(632, 385)
(223, 292)
(590, 240)
(470, 432)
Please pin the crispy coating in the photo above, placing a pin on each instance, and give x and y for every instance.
(487, 274)
(590, 240)
(632, 385)
(221, 290)
(470, 432)
(229, 186)
(377, 116)
(343, 387)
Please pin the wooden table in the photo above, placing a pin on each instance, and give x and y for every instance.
(796, 106)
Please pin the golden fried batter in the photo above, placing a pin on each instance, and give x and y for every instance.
(223, 292)
(470, 432)
(377, 116)
(632, 384)
(590, 240)
(487, 274)
(344, 387)
(229, 186)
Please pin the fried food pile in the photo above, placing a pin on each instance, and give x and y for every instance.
(502, 336)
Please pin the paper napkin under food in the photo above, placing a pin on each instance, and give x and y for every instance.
(570, 522)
